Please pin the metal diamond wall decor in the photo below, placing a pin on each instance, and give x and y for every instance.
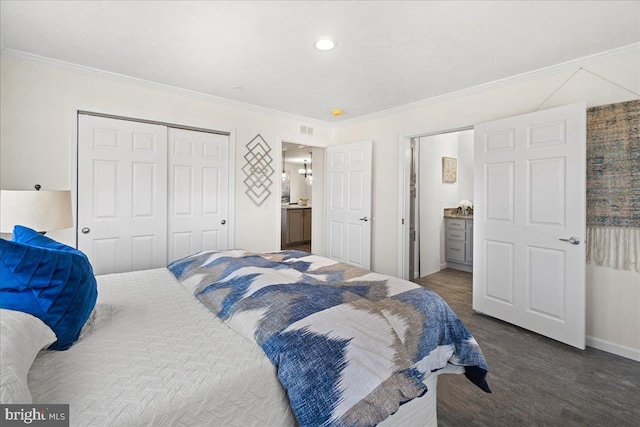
(258, 170)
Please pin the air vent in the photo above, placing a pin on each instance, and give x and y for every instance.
(306, 130)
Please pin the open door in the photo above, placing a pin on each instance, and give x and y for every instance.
(348, 190)
(530, 222)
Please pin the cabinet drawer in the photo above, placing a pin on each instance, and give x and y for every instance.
(456, 235)
(456, 251)
(458, 224)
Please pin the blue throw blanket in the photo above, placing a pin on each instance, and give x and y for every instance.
(349, 345)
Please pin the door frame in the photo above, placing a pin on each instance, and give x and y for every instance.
(404, 170)
(147, 117)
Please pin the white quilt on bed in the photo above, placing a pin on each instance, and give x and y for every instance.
(144, 335)
(152, 355)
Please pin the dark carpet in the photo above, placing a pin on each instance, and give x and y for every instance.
(536, 381)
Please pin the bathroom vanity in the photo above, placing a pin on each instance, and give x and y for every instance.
(295, 224)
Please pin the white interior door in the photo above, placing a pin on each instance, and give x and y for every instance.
(530, 194)
(348, 189)
(198, 192)
(122, 188)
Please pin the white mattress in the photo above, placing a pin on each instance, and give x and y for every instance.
(151, 354)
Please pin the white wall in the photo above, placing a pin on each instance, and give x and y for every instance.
(613, 307)
(612, 311)
(434, 196)
(37, 102)
(465, 165)
(317, 191)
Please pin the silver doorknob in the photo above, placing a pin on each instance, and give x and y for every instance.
(223, 222)
(365, 219)
(573, 240)
(86, 230)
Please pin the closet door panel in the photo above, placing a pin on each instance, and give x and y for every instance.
(149, 194)
(122, 194)
(199, 192)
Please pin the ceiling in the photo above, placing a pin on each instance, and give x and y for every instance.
(389, 53)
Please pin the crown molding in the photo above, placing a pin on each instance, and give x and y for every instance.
(121, 78)
(632, 49)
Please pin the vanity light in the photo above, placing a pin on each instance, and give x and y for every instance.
(325, 44)
(308, 176)
(304, 171)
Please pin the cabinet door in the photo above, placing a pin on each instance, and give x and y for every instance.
(458, 224)
(455, 234)
(456, 250)
(306, 227)
(296, 225)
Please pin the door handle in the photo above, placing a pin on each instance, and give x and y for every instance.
(573, 240)
(223, 222)
(86, 230)
(365, 219)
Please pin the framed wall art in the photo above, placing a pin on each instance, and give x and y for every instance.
(449, 169)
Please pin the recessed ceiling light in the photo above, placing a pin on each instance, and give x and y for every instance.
(325, 44)
(337, 112)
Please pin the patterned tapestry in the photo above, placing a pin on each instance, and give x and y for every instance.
(613, 185)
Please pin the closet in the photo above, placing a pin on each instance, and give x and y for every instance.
(149, 193)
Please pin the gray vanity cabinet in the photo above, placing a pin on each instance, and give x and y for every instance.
(459, 243)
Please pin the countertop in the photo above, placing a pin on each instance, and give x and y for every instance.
(296, 207)
(453, 213)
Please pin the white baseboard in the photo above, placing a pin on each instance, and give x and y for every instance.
(609, 347)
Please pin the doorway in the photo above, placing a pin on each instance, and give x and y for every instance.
(297, 207)
(427, 245)
(530, 206)
(445, 178)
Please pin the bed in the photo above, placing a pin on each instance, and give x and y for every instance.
(152, 354)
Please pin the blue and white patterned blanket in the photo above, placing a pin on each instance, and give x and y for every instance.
(349, 345)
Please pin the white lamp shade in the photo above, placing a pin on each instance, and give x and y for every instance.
(39, 210)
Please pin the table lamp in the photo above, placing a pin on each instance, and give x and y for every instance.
(39, 210)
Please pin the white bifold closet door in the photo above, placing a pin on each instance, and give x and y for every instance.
(149, 194)
(198, 192)
(122, 194)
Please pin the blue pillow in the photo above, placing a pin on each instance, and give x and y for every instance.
(27, 236)
(49, 280)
